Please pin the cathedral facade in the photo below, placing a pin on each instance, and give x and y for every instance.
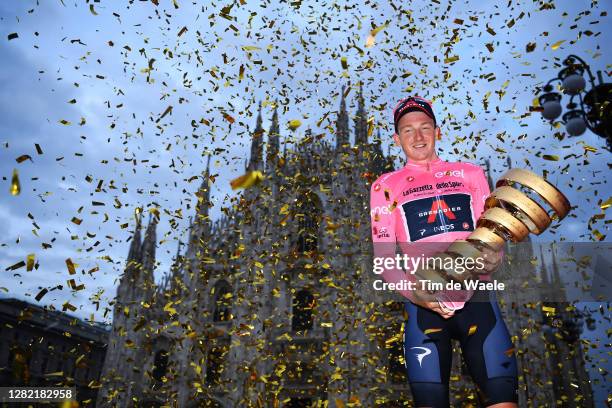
(265, 307)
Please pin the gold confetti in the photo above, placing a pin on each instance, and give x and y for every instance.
(42, 293)
(23, 158)
(551, 157)
(433, 330)
(452, 59)
(472, 329)
(15, 185)
(344, 63)
(30, 262)
(294, 124)
(557, 44)
(71, 266)
(247, 180)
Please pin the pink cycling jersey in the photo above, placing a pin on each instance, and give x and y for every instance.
(436, 202)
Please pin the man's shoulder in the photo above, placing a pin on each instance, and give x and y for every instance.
(386, 179)
(472, 167)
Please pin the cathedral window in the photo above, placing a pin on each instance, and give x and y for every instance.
(308, 215)
(215, 365)
(303, 303)
(222, 295)
(160, 365)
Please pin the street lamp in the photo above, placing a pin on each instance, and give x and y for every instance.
(595, 109)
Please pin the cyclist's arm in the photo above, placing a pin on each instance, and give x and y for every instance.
(383, 213)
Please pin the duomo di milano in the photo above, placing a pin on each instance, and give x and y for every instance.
(265, 306)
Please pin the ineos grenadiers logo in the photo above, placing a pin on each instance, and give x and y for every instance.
(453, 173)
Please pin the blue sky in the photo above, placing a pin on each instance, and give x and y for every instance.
(99, 58)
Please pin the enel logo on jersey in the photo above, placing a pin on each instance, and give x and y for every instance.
(436, 215)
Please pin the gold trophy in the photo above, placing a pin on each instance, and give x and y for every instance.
(510, 214)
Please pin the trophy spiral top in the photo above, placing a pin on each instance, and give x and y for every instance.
(555, 198)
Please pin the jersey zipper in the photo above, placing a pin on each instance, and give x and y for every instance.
(439, 214)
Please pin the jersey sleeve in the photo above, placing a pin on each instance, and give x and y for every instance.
(482, 192)
(383, 213)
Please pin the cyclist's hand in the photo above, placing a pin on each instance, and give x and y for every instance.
(435, 306)
(492, 259)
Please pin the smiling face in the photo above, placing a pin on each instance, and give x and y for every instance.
(417, 137)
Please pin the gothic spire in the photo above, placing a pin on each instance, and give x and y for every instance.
(148, 246)
(256, 160)
(134, 253)
(342, 129)
(203, 195)
(361, 120)
(273, 140)
(543, 269)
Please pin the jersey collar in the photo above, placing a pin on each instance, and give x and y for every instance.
(434, 162)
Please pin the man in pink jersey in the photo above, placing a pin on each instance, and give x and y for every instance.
(423, 207)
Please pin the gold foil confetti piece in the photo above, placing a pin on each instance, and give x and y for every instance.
(30, 262)
(392, 207)
(71, 266)
(551, 157)
(23, 158)
(452, 59)
(247, 180)
(41, 294)
(15, 185)
(38, 149)
(509, 351)
(76, 220)
(154, 211)
(432, 330)
(294, 124)
(548, 309)
(387, 195)
(18, 265)
(472, 329)
(68, 306)
(599, 235)
(344, 63)
(606, 204)
(92, 10)
(557, 44)
(370, 126)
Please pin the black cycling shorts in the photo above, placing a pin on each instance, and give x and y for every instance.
(485, 344)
